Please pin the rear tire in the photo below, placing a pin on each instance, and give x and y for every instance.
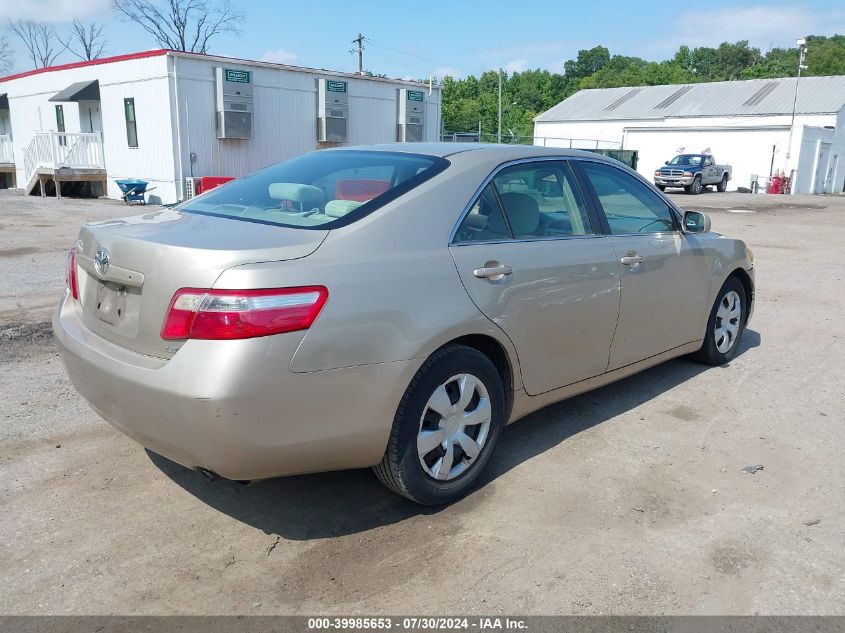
(436, 451)
(722, 187)
(725, 325)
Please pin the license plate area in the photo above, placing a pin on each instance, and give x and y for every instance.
(111, 302)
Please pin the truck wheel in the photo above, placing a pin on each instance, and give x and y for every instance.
(722, 187)
(696, 186)
(661, 187)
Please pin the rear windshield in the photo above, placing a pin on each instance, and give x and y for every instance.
(324, 189)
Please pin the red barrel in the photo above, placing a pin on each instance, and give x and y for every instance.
(774, 184)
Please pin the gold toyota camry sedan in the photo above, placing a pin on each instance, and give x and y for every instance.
(389, 307)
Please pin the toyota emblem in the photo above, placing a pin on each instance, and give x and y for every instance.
(101, 261)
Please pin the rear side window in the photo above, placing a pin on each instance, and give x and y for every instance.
(629, 205)
(484, 222)
(320, 190)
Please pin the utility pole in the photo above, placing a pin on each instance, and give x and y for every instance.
(360, 50)
(802, 53)
(499, 131)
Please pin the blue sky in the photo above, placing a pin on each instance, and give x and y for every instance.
(459, 38)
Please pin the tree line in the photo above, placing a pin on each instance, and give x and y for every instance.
(473, 100)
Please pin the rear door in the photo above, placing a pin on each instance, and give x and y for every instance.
(542, 271)
(665, 274)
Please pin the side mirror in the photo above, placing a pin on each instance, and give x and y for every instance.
(665, 162)
(696, 222)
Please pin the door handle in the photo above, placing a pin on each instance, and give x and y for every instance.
(493, 273)
(632, 260)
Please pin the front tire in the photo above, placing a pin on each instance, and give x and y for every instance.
(661, 187)
(725, 325)
(445, 428)
(696, 186)
(722, 187)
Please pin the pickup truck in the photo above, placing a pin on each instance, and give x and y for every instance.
(693, 172)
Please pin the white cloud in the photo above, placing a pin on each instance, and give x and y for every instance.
(447, 71)
(516, 66)
(279, 56)
(763, 26)
(54, 11)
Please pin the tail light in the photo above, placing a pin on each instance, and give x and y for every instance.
(70, 275)
(234, 314)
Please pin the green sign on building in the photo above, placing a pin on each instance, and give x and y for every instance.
(238, 76)
(336, 86)
(416, 95)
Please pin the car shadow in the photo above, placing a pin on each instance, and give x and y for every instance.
(333, 504)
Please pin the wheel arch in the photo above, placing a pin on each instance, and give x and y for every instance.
(493, 349)
(745, 279)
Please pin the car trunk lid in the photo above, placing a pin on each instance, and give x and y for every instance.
(129, 268)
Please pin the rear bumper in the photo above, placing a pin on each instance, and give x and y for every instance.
(234, 407)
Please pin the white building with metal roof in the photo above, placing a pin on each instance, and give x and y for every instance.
(169, 117)
(747, 124)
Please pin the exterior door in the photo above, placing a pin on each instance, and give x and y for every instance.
(89, 117)
(542, 272)
(665, 274)
(821, 168)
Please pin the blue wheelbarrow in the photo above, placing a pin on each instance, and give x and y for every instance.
(133, 190)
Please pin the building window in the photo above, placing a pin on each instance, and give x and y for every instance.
(60, 125)
(131, 127)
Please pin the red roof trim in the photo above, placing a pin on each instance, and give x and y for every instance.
(94, 62)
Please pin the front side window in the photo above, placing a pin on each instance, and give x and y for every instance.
(541, 200)
(131, 125)
(324, 189)
(629, 204)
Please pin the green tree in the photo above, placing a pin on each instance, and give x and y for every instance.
(825, 55)
(588, 62)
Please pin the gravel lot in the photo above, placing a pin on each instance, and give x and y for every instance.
(627, 500)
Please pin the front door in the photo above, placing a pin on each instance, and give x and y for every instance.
(711, 175)
(542, 272)
(665, 274)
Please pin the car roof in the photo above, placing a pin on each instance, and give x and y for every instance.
(490, 151)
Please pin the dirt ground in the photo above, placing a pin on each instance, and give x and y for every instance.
(628, 500)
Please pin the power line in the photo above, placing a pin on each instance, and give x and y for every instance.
(401, 52)
(425, 70)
